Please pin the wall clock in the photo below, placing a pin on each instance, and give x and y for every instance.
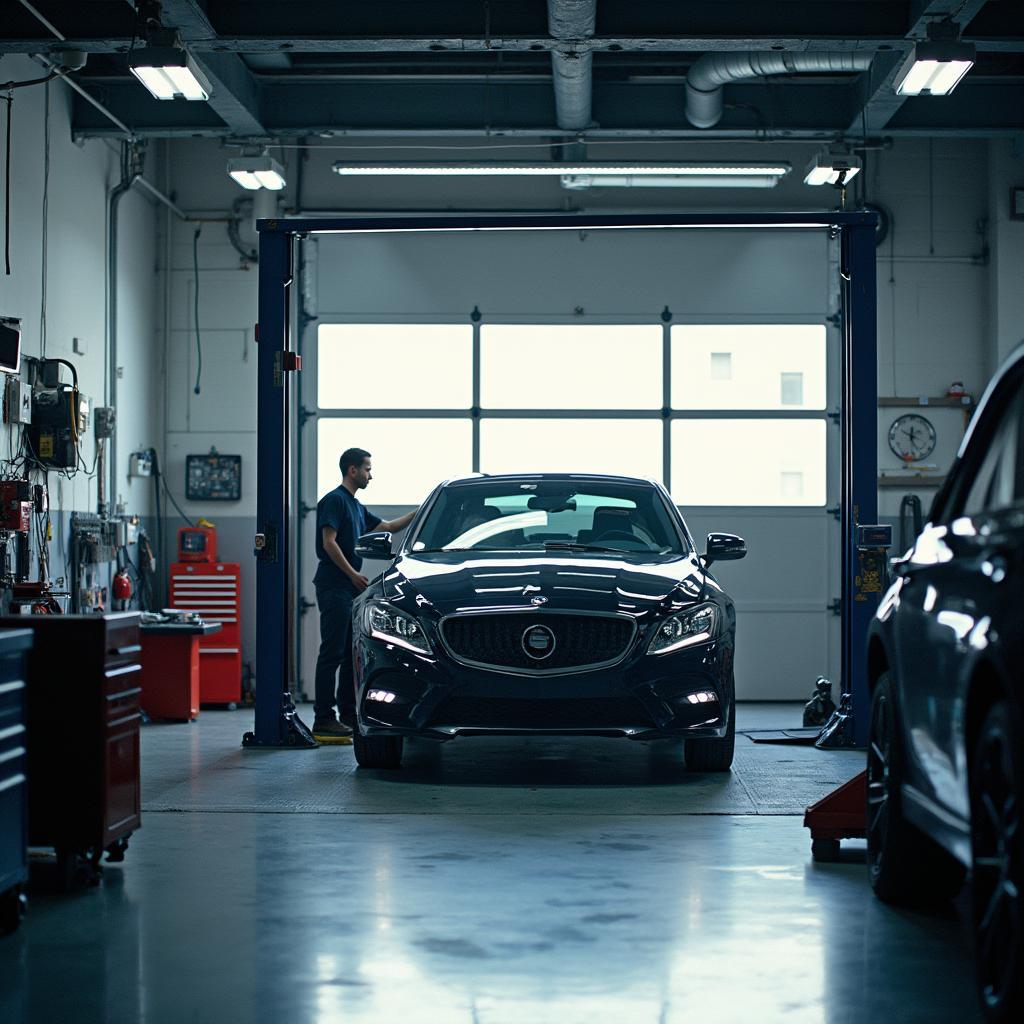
(912, 437)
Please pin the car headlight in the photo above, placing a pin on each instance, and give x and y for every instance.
(384, 622)
(694, 626)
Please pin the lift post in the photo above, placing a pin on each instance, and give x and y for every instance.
(277, 725)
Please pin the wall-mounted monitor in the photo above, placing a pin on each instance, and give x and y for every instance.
(10, 345)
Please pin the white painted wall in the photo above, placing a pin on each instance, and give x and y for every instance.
(75, 274)
(940, 303)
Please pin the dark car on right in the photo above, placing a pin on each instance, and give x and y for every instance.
(946, 661)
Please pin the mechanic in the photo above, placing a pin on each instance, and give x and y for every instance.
(340, 521)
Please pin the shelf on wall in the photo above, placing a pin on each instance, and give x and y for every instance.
(910, 480)
(943, 402)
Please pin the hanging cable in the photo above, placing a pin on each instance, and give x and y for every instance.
(46, 217)
(7, 185)
(195, 297)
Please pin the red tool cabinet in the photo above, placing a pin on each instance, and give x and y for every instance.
(213, 590)
(83, 734)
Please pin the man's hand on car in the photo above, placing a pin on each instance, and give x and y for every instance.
(360, 582)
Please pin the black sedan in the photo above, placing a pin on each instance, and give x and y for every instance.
(546, 604)
(946, 748)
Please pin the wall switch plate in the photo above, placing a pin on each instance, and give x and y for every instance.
(19, 401)
(78, 346)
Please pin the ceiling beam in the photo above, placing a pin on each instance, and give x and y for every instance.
(434, 44)
(487, 108)
(880, 102)
(235, 93)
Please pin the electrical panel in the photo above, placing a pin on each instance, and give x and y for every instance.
(106, 418)
(17, 401)
(140, 464)
(60, 416)
(213, 477)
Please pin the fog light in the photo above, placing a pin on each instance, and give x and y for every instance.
(702, 697)
(382, 696)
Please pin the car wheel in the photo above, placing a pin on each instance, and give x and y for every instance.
(377, 751)
(997, 847)
(905, 866)
(714, 755)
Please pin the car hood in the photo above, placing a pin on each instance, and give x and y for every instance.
(445, 582)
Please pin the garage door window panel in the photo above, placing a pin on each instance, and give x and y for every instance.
(409, 455)
(566, 366)
(619, 446)
(748, 366)
(395, 366)
(754, 462)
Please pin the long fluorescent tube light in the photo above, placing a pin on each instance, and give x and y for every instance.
(165, 68)
(585, 181)
(827, 168)
(253, 172)
(561, 170)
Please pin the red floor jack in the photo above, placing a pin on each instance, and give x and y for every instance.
(840, 815)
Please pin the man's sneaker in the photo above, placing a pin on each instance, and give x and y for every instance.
(329, 731)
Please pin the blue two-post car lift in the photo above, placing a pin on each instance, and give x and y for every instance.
(862, 580)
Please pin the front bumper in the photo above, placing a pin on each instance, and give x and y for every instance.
(643, 697)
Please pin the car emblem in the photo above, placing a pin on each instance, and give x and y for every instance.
(538, 601)
(538, 642)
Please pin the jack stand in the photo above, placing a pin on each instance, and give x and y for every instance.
(820, 708)
(840, 815)
(838, 730)
(294, 732)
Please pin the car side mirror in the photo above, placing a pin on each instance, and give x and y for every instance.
(375, 545)
(724, 547)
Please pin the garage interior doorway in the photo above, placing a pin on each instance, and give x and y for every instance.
(706, 359)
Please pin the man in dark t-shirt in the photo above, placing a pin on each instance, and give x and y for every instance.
(340, 521)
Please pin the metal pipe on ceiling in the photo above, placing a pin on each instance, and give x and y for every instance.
(709, 74)
(570, 21)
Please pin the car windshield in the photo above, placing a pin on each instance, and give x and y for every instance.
(555, 515)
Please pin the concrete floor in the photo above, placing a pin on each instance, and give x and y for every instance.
(491, 881)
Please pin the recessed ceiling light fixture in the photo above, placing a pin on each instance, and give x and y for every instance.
(257, 171)
(165, 68)
(832, 167)
(937, 64)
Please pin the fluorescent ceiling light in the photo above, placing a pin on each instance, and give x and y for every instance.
(563, 170)
(584, 181)
(827, 169)
(165, 68)
(254, 172)
(934, 67)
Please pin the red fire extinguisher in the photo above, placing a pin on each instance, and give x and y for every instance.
(122, 586)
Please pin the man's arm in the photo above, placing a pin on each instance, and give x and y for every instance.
(396, 524)
(337, 556)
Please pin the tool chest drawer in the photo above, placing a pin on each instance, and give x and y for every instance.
(84, 716)
(14, 645)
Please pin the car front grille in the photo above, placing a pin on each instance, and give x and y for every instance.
(555, 713)
(496, 641)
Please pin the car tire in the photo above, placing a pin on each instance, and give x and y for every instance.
(997, 851)
(905, 866)
(714, 755)
(377, 751)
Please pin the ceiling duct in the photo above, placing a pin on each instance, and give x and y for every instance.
(714, 70)
(568, 22)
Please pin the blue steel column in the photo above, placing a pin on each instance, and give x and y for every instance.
(860, 458)
(272, 624)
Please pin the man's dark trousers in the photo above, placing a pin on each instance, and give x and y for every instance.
(334, 682)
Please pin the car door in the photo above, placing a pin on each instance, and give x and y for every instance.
(959, 575)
